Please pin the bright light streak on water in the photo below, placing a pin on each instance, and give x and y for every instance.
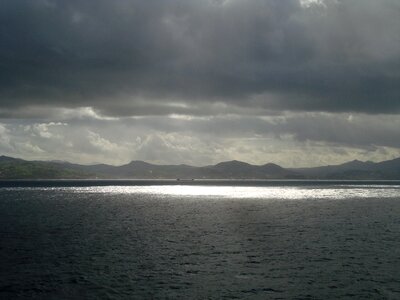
(200, 241)
(242, 192)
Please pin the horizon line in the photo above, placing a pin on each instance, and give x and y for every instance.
(203, 166)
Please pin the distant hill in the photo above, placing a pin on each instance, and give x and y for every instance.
(14, 168)
(355, 169)
(240, 170)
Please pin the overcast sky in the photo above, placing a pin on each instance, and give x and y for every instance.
(298, 83)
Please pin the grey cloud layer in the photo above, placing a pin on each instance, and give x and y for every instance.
(293, 140)
(204, 57)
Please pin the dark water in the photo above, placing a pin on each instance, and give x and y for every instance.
(301, 241)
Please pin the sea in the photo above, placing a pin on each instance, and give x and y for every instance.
(227, 239)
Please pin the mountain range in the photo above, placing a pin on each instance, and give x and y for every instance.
(15, 168)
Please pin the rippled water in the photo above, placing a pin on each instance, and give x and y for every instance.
(200, 242)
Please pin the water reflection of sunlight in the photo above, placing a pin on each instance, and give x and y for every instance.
(269, 192)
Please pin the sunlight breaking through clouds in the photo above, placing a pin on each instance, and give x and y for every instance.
(296, 82)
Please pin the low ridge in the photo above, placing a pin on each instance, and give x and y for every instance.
(13, 168)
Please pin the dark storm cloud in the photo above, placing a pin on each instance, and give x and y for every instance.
(183, 56)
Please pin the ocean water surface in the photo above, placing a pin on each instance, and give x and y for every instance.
(199, 240)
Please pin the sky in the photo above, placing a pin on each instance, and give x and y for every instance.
(297, 83)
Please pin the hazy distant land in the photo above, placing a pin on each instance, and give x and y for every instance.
(13, 168)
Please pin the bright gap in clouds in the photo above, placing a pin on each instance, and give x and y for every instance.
(286, 139)
(307, 3)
